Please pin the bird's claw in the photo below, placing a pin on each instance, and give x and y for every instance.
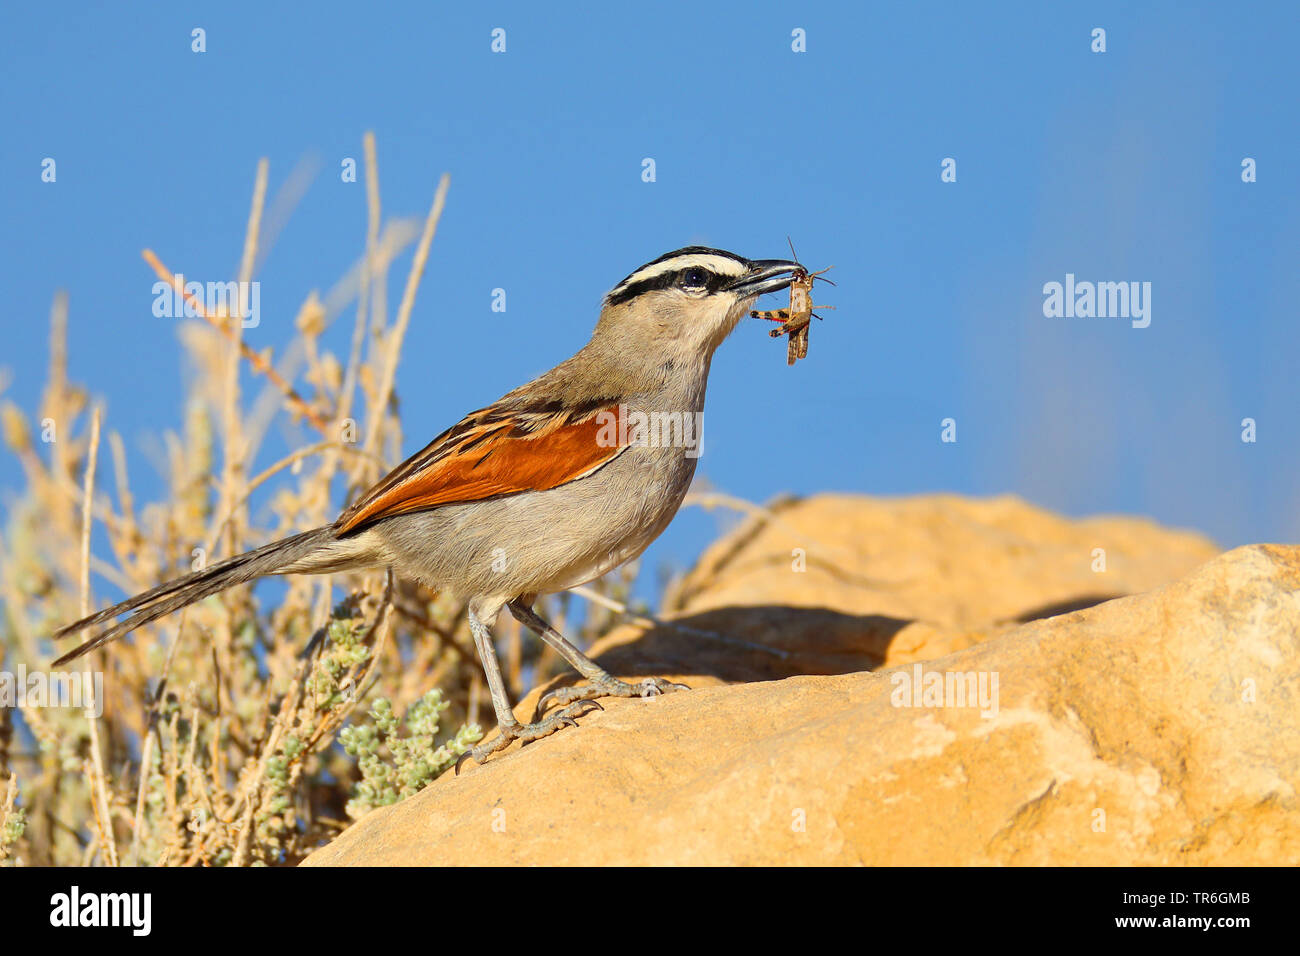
(528, 733)
(461, 759)
(610, 687)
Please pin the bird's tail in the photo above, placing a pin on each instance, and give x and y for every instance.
(287, 554)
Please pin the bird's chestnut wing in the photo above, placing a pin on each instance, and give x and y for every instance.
(489, 454)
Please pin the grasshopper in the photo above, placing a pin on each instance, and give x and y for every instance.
(798, 317)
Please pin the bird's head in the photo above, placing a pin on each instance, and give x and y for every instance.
(686, 302)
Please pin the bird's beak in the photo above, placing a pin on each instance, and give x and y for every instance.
(767, 275)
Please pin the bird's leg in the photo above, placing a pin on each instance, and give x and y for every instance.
(508, 728)
(603, 684)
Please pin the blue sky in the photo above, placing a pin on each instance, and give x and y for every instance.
(1115, 166)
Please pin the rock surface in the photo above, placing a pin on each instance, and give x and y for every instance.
(1160, 728)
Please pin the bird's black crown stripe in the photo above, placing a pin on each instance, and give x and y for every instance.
(627, 290)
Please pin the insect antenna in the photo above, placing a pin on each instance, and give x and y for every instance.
(815, 275)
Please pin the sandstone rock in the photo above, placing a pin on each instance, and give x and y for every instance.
(888, 581)
(1153, 729)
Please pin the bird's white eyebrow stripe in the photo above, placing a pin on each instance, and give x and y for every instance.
(720, 265)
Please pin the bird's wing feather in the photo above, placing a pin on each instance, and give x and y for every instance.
(492, 452)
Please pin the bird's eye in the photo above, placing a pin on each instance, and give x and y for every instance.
(695, 278)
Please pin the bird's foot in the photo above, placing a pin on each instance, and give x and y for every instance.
(527, 733)
(606, 686)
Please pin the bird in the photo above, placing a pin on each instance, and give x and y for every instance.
(551, 486)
